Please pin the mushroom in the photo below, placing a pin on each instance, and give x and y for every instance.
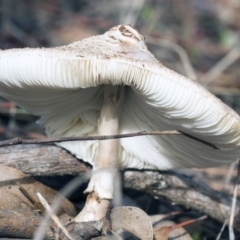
(111, 84)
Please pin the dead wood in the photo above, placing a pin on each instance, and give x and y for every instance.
(15, 224)
(23, 224)
(184, 190)
(48, 160)
(85, 230)
(42, 160)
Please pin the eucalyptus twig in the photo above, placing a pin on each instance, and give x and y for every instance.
(53, 215)
(17, 140)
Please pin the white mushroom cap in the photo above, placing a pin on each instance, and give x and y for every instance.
(64, 86)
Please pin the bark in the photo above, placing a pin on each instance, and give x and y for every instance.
(23, 225)
(183, 190)
(42, 160)
(48, 160)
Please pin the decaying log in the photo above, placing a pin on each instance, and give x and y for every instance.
(42, 160)
(49, 160)
(183, 190)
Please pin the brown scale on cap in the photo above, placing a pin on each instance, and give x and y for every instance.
(129, 31)
(126, 34)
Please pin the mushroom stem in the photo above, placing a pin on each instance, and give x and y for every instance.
(100, 187)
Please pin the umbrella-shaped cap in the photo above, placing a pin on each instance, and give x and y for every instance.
(65, 86)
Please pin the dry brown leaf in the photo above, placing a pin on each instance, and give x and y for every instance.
(15, 224)
(168, 230)
(133, 220)
(164, 232)
(159, 217)
(12, 184)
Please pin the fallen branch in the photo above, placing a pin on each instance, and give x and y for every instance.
(183, 190)
(43, 160)
(17, 140)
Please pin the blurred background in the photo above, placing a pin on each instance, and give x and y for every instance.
(197, 38)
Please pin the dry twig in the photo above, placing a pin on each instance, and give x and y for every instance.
(53, 215)
(221, 66)
(179, 50)
(17, 140)
(233, 207)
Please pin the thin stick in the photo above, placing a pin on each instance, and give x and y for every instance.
(224, 91)
(231, 57)
(25, 193)
(53, 215)
(200, 140)
(221, 231)
(178, 49)
(183, 224)
(18, 141)
(229, 175)
(37, 205)
(233, 207)
(133, 10)
(64, 192)
(226, 185)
